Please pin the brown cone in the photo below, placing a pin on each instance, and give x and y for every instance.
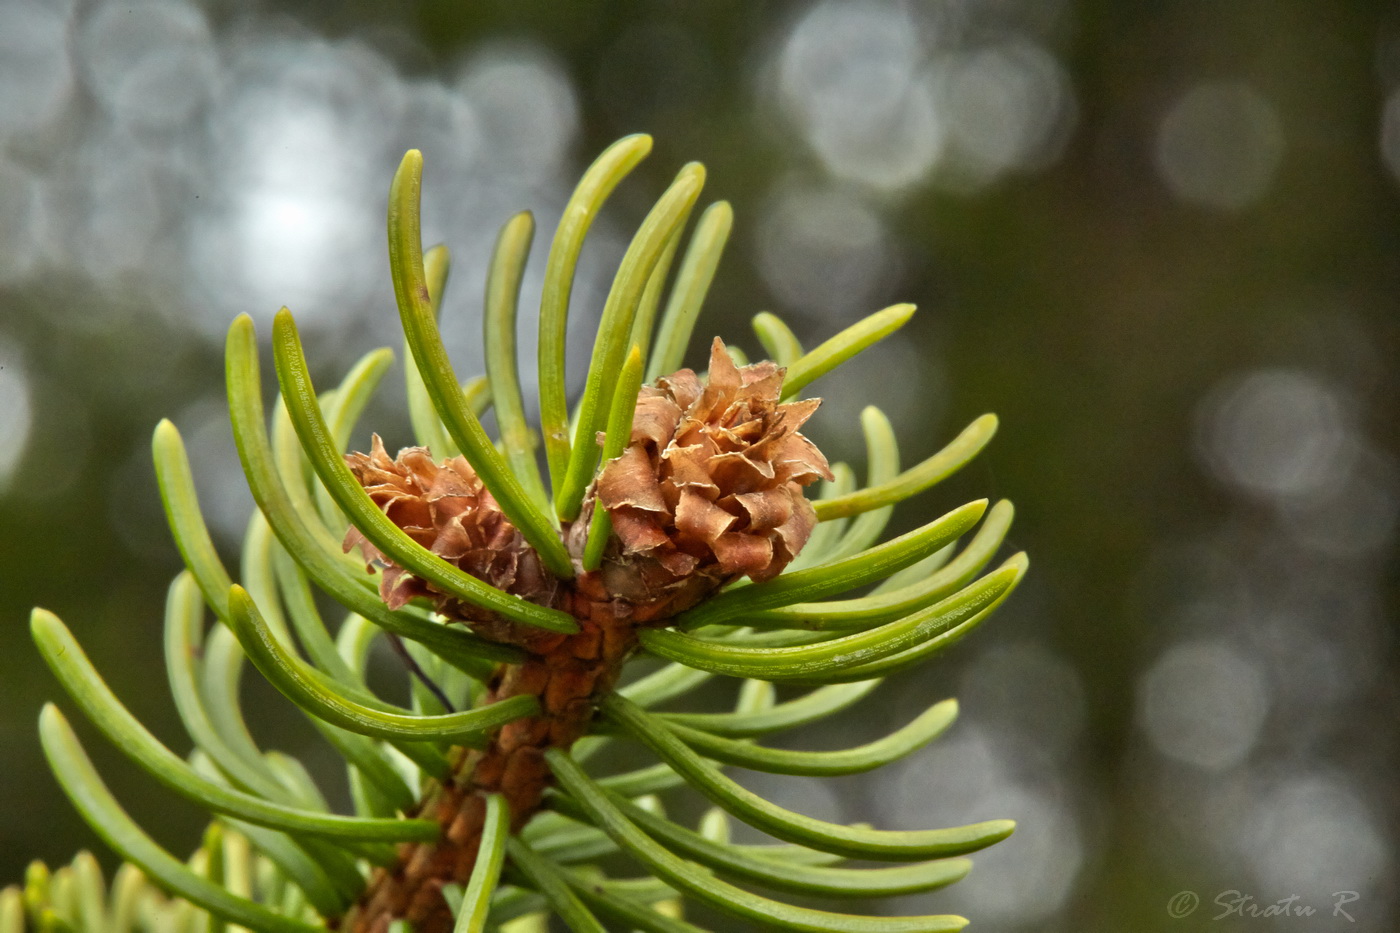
(710, 488)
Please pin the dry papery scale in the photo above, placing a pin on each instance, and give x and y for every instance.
(671, 522)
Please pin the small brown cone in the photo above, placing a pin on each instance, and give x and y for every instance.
(446, 509)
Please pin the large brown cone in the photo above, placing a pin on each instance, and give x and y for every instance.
(710, 487)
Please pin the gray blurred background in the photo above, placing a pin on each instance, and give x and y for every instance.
(1162, 241)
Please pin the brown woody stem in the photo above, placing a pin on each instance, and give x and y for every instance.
(568, 673)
